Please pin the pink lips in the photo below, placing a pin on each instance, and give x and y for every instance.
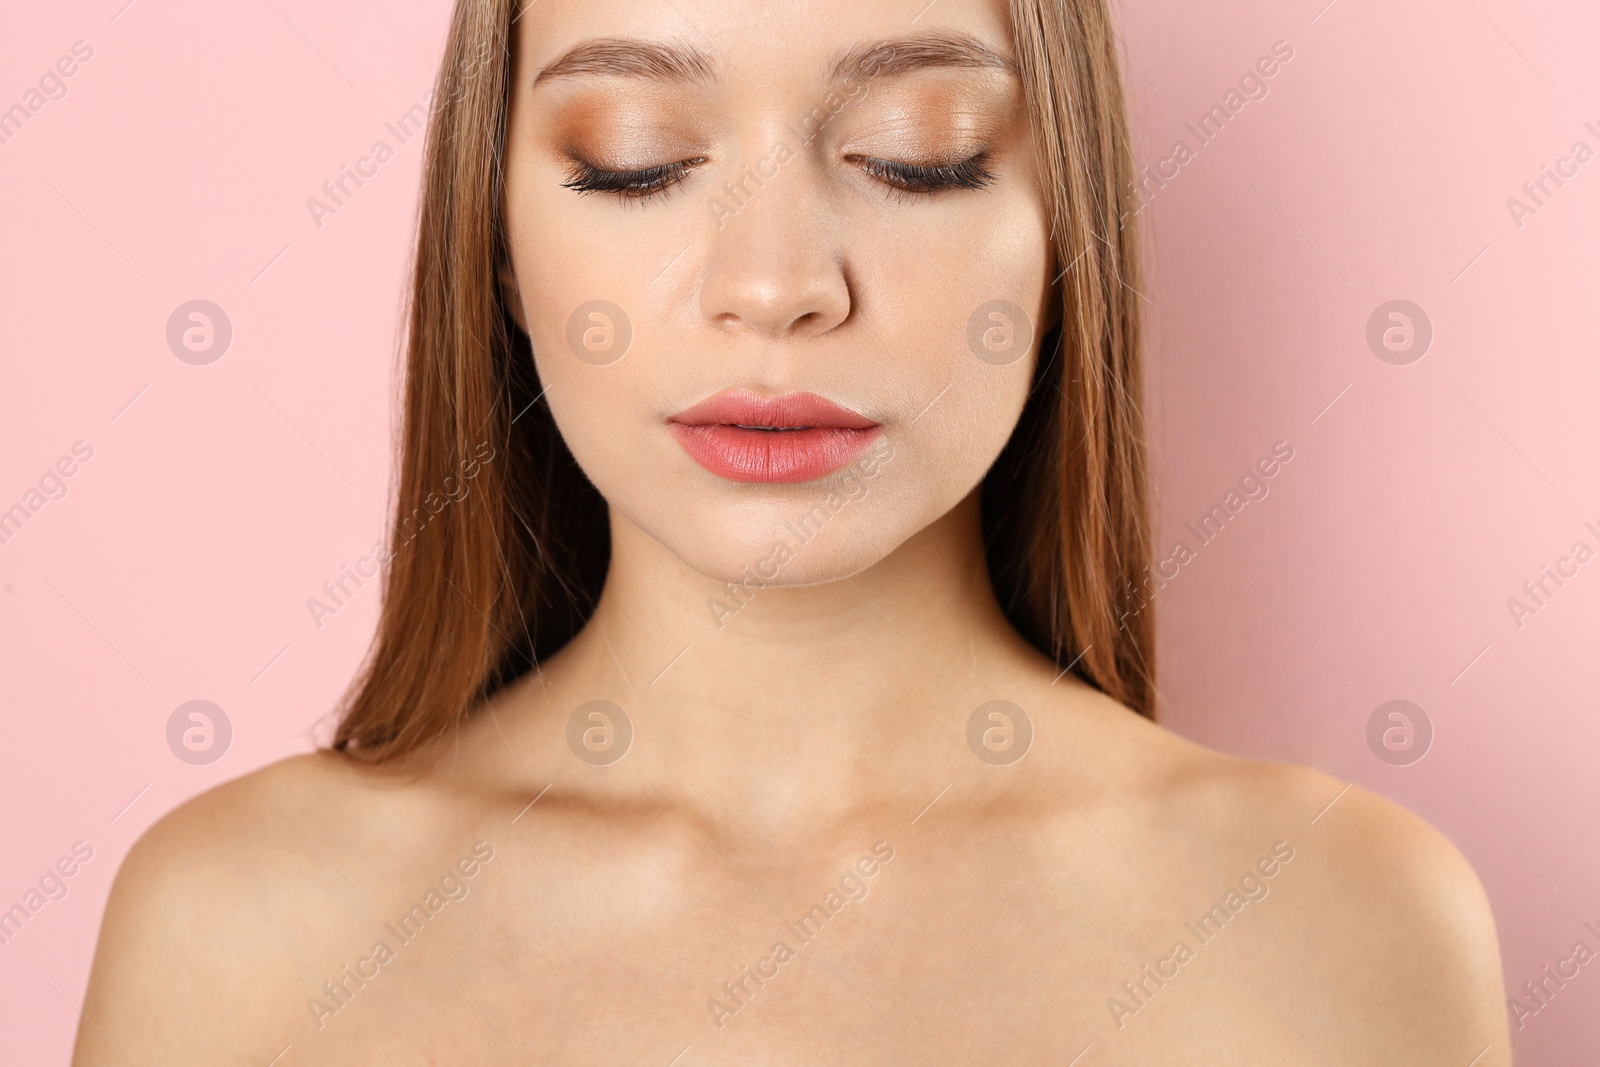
(796, 437)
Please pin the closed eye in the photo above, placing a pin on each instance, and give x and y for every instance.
(927, 178)
(629, 184)
(905, 178)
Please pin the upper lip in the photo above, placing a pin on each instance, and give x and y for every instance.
(790, 411)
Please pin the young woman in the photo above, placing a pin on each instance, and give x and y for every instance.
(763, 675)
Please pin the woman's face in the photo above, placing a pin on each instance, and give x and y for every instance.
(784, 265)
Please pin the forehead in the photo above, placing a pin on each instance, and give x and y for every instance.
(746, 44)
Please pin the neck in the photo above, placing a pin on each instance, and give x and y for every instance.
(777, 701)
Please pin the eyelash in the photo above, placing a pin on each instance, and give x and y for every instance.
(906, 179)
(913, 179)
(628, 184)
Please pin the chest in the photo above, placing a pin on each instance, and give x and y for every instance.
(982, 957)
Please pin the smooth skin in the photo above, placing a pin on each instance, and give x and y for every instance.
(815, 740)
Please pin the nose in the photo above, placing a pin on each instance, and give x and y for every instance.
(777, 268)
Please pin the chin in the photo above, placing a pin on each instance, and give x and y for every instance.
(787, 539)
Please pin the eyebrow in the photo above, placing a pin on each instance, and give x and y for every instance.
(622, 57)
(922, 51)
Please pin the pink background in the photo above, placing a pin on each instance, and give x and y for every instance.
(1378, 167)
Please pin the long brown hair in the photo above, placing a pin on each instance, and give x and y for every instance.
(486, 578)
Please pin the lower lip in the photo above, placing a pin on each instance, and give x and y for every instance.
(772, 456)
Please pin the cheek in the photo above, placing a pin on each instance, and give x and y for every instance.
(592, 330)
(580, 301)
(969, 331)
(971, 409)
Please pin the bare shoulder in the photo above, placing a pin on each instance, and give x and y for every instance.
(241, 835)
(220, 907)
(1372, 932)
(1394, 930)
